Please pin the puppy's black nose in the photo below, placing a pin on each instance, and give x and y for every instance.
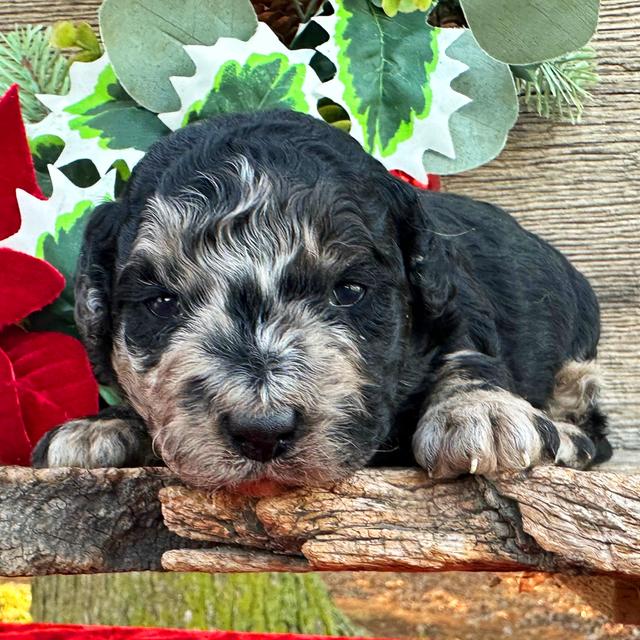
(262, 437)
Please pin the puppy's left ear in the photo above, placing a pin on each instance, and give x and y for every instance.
(429, 262)
(94, 283)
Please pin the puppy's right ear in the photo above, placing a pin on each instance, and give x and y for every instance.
(94, 286)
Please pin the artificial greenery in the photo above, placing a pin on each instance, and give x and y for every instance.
(145, 59)
(78, 36)
(558, 89)
(531, 31)
(27, 58)
(392, 7)
(418, 97)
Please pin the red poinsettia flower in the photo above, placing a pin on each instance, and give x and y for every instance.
(45, 377)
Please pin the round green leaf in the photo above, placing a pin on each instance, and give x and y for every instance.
(144, 40)
(528, 31)
(479, 129)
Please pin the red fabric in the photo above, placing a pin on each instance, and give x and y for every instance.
(45, 378)
(432, 183)
(15, 446)
(27, 285)
(80, 632)
(51, 376)
(16, 164)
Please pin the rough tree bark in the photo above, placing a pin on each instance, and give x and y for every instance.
(398, 520)
(76, 521)
(106, 520)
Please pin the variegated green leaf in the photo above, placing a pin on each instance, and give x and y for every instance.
(97, 119)
(391, 7)
(233, 75)
(67, 204)
(394, 79)
(52, 229)
(62, 250)
(145, 39)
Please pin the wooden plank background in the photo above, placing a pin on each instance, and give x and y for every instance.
(577, 186)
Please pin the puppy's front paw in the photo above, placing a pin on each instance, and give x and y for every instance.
(95, 442)
(486, 432)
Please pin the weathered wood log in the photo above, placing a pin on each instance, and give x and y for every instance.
(398, 520)
(551, 519)
(79, 521)
(230, 559)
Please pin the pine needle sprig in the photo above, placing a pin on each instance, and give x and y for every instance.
(27, 58)
(558, 89)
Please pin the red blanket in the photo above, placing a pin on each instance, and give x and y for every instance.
(81, 632)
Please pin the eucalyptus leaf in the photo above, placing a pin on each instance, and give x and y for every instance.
(479, 129)
(526, 31)
(145, 39)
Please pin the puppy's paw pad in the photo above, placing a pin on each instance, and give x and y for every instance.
(483, 432)
(90, 443)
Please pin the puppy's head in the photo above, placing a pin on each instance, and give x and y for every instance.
(249, 294)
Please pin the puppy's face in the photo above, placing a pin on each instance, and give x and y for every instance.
(260, 326)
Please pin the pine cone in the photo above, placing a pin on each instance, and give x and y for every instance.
(281, 16)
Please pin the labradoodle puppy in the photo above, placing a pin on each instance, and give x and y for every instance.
(276, 308)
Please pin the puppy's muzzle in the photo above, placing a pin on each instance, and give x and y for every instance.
(263, 437)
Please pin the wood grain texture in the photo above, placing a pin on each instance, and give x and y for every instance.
(577, 186)
(552, 520)
(231, 560)
(79, 521)
(109, 520)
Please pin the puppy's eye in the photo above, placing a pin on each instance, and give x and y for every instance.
(164, 306)
(346, 294)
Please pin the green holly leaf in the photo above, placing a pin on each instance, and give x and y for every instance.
(394, 80)
(145, 41)
(479, 129)
(522, 32)
(98, 120)
(234, 75)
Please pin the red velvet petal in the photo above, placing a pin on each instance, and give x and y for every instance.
(14, 442)
(16, 164)
(53, 378)
(27, 284)
(432, 183)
